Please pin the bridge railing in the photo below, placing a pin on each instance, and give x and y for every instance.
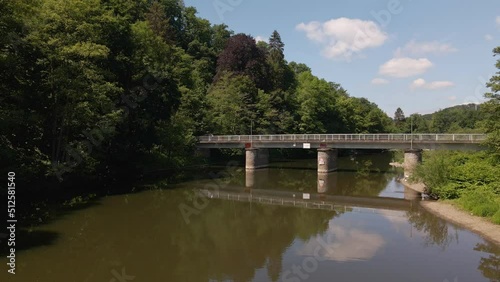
(445, 138)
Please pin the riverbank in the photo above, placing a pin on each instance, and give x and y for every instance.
(449, 212)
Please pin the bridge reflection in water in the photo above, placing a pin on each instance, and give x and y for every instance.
(323, 199)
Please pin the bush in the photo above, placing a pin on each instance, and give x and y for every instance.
(435, 170)
(471, 178)
(447, 191)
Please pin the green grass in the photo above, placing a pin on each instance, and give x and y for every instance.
(481, 202)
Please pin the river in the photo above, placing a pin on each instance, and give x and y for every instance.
(283, 223)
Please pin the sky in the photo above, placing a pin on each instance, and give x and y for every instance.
(421, 56)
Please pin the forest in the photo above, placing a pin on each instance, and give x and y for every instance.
(103, 91)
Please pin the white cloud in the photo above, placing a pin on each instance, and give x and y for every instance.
(498, 21)
(343, 37)
(405, 67)
(418, 83)
(379, 81)
(452, 98)
(313, 31)
(260, 38)
(488, 37)
(422, 48)
(435, 85)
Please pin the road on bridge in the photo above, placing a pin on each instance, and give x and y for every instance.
(347, 141)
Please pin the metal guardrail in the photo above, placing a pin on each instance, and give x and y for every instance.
(444, 138)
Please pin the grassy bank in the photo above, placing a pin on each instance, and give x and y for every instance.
(470, 180)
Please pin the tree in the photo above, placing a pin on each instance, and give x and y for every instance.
(462, 118)
(158, 21)
(276, 47)
(420, 125)
(75, 88)
(283, 83)
(174, 9)
(220, 36)
(440, 122)
(491, 110)
(399, 120)
(316, 104)
(232, 102)
(282, 76)
(299, 68)
(21, 106)
(399, 116)
(241, 56)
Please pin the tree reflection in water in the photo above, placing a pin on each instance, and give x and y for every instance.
(266, 233)
(437, 233)
(435, 229)
(489, 266)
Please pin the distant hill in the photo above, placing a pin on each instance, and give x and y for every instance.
(456, 119)
(455, 109)
(461, 118)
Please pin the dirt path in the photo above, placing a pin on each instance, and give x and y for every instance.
(476, 224)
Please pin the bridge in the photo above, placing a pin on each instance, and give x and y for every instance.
(257, 146)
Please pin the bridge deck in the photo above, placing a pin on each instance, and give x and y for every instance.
(347, 141)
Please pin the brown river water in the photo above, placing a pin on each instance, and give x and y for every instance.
(284, 223)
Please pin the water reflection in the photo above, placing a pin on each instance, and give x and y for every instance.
(435, 230)
(327, 182)
(345, 243)
(230, 240)
(490, 263)
(250, 178)
(309, 181)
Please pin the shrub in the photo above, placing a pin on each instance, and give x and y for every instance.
(447, 191)
(435, 170)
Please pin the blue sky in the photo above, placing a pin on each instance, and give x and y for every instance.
(418, 55)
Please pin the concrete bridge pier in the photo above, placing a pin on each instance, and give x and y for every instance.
(327, 160)
(256, 158)
(413, 157)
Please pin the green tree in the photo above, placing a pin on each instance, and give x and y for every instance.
(316, 102)
(75, 88)
(491, 110)
(299, 68)
(399, 119)
(220, 36)
(399, 115)
(21, 106)
(232, 102)
(158, 21)
(282, 94)
(420, 125)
